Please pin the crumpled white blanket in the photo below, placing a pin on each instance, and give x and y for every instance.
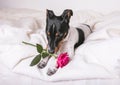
(98, 57)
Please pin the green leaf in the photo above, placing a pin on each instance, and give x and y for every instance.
(45, 54)
(39, 48)
(36, 60)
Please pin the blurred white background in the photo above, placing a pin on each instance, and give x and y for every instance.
(97, 5)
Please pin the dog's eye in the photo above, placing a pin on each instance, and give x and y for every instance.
(57, 34)
(48, 33)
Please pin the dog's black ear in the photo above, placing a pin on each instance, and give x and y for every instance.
(66, 15)
(49, 13)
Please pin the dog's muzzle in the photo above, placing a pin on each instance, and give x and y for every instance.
(51, 51)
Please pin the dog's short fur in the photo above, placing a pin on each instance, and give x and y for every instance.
(61, 37)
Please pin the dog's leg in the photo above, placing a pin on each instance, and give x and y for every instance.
(51, 71)
(43, 62)
(52, 67)
(71, 52)
(69, 48)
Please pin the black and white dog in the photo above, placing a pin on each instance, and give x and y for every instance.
(61, 37)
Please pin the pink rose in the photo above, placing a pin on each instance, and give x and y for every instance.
(62, 60)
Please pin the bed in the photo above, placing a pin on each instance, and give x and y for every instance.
(96, 62)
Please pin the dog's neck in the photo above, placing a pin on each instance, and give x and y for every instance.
(68, 40)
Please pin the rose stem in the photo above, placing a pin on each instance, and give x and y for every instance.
(29, 44)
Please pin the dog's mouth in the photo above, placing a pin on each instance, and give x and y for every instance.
(52, 51)
(55, 50)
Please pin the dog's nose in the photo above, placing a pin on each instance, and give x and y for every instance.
(51, 51)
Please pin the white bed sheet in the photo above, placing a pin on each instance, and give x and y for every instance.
(8, 77)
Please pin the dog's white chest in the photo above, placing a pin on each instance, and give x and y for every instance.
(72, 39)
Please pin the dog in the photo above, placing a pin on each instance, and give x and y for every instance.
(61, 37)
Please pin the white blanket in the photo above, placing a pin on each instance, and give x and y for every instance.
(98, 57)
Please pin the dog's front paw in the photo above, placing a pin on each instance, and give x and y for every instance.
(42, 64)
(51, 71)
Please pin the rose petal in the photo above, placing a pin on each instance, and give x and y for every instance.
(62, 60)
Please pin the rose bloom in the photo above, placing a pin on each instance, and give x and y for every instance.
(62, 60)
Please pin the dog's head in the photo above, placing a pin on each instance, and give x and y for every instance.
(57, 28)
